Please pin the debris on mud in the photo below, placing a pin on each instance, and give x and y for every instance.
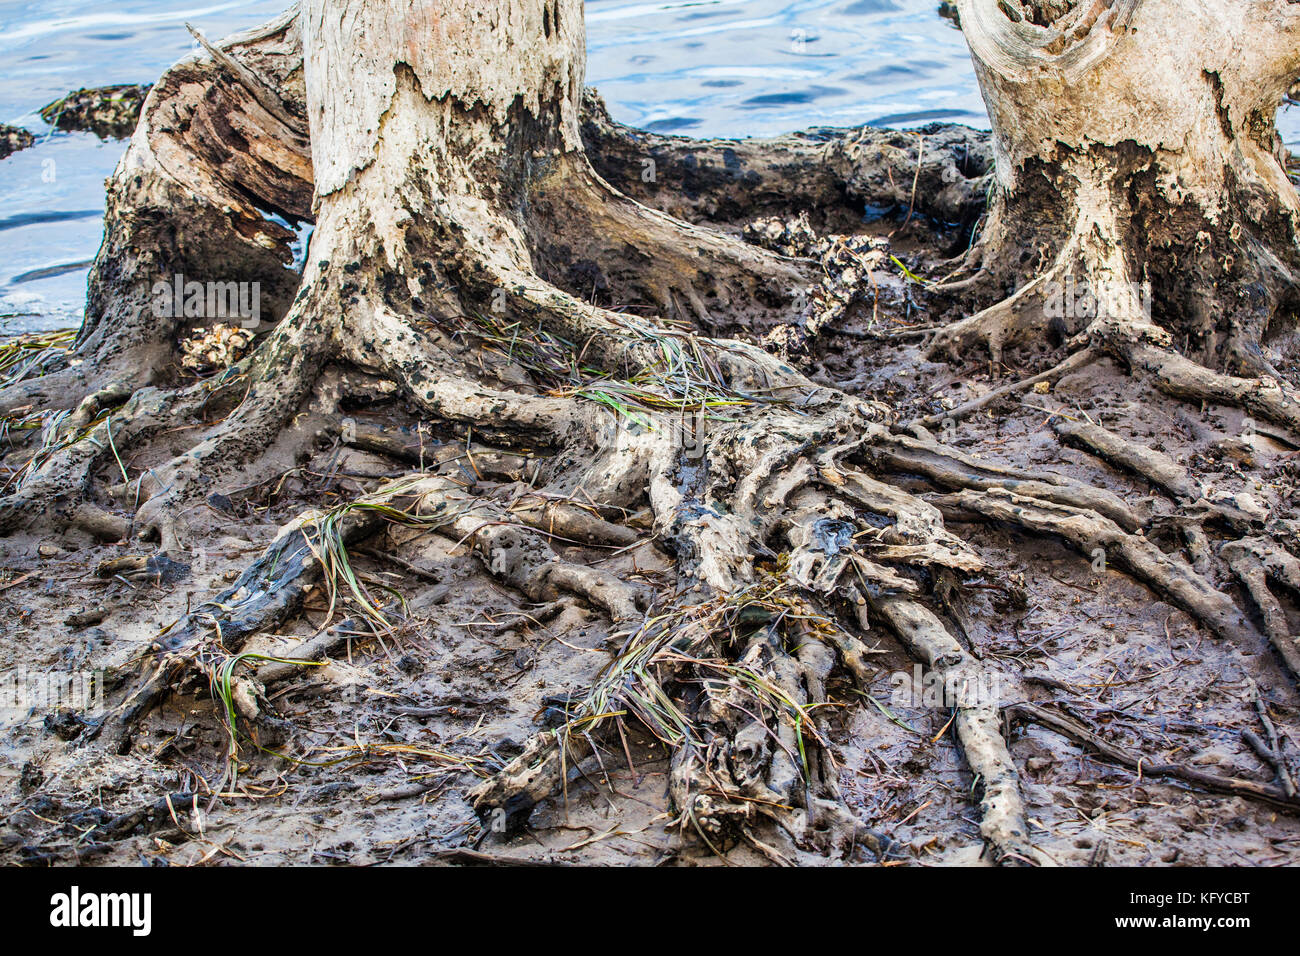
(110, 112)
(12, 139)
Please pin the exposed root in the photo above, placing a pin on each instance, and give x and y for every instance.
(55, 490)
(268, 592)
(281, 375)
(950, 468)
(689, 274)
(315, 545)
(517, 555)
(731, 688)
(290, 663)
(1180, 377)
(1003, 823)
(564, 519)
(1000, 326)
(1254, 561)
(1090, 532)
(737, 705)
(462, 275)
(1157, 467)
(1233, 786)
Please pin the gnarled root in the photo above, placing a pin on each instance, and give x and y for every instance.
(1174, 374)
(268, 592)
(1090, 533)
(785, 548)
(272, 589)
(732, 682)
(55, 490)
(1254, 561)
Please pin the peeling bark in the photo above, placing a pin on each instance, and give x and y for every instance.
(1135, 147)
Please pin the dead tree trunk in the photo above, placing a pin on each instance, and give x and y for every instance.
(438, 146)
(1141, 197)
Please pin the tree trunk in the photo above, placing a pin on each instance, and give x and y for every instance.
(467, 250)
(1141, 194)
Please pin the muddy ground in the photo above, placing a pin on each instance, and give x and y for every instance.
(369, 756)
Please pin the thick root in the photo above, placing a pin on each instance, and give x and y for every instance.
(737, 745)
(272, 589)
(56, 492)
(1254, 561)
(1003, 823)
(692, 275)
(1091, 532)
(1180, 377)
(940, 172)
(950, 468)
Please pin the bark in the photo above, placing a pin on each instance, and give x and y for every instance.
(1135, 145)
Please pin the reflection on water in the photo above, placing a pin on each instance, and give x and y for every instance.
(702, 67)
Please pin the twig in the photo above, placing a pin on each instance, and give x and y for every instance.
(1212, 782)
(1077, 360)
(250, 81)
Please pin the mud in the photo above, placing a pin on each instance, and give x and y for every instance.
(366, 759)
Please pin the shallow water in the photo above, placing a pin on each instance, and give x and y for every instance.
(701, 67)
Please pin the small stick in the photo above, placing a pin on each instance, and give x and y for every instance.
(1077, 360)
(1272, 753)
(1212, 782)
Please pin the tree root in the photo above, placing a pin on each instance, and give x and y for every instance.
(746, 744)
(1157, 467)
(268, 592)
(281, 373)
(998, 327)
(55, 490)
(1180, 377)
(1090, 532)
(1233, 786)
(1003, 823)
(778, 537)
(315, 545)
(517, 555)
(1254, 561)
(690, 274)
(951, 468)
